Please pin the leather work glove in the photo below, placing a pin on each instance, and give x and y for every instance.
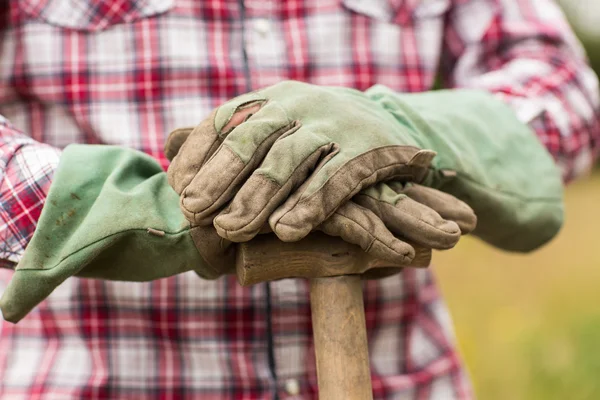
(111, 214)
(385, 220)
(307, 150)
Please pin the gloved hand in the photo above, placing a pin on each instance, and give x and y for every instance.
(384, 220)
(309, 149)
(110, 214)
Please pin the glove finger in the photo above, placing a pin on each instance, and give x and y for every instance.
(189, 151)
(407, 218)
(358, 225)
(175, 140)
(341, 178)
(448, 206)
(228, 168)
(286, 166)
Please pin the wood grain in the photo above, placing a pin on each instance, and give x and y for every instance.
(340, 335)
(266, 258)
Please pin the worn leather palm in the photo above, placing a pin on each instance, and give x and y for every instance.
(310, 149)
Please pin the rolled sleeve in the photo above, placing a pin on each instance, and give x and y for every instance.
(26, 170)
(525, 52)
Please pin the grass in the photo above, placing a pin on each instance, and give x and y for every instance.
(529, 325)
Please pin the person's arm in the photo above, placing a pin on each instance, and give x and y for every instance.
(26, 166)
(26, 170)
(524, 52)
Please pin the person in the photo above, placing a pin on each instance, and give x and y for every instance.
(126, 73)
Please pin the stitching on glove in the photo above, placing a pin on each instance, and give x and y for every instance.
(281, 187)
(184, 230)
(291, 125)
(374, 238)
(354, 190)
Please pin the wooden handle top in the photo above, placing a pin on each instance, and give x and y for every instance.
(266, 258)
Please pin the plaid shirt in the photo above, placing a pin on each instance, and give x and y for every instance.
(127, 72)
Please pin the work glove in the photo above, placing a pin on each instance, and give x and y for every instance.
(385, 220)
(111, 214)
(307, 150)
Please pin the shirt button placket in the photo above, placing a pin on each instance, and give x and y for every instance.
(265, 44)
(292, 387)
(262, 26)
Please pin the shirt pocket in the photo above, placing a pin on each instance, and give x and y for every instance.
(92, 15)
(401, 12)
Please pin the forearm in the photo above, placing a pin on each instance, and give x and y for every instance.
(26, 170)
(559, 101)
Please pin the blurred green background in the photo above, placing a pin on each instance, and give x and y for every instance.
(529, 325)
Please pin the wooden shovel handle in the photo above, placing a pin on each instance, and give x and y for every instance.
(334, 268)
(266, 258)
(340, 334)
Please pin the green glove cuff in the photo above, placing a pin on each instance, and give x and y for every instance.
(487, 158)
(110, 214)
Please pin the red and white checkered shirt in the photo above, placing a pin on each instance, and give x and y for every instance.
(126, 72)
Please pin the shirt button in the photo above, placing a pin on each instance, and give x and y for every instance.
(292, 387)
(262, 26)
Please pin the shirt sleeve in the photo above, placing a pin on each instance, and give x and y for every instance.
(525, 52)
(26, 170)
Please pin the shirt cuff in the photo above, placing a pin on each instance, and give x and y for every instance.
(26, 171)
